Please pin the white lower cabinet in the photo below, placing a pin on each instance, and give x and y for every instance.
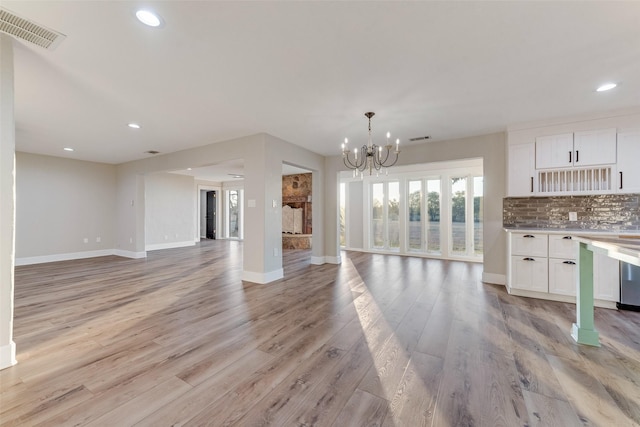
(529, 273)
(544, 265)
(562, 276)
(563, 270)
(606, 278)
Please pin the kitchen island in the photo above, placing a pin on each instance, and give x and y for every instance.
(623, 248)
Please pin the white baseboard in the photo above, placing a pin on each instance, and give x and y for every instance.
(62, 257)
(320, 260)
(333, 259)
(8, 355)
(560, 298)
(262, 278)
(496, 279)
(130, 254)
(172, 245)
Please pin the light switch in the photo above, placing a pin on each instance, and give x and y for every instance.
(274, 203)
(251, 203)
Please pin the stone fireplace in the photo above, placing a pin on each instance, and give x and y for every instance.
(297, 218)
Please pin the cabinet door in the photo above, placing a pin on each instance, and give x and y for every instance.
(628, 177)
(521, 170)
(529, 244)
(562, 276)
(554, 151)
(594, 147)
(562, 247)
(606, 278)
(529, 273)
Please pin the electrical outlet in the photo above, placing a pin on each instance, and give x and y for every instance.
(275, 251)
(98, 239)
(86, 240)
(130, 239)
(573, 216)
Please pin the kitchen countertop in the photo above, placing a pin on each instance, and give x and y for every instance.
(576, 232)
(623, 248)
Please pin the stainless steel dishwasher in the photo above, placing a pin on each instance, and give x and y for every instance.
(629, 287)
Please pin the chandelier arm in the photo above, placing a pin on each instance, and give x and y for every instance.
(394, 161)
(356, 164)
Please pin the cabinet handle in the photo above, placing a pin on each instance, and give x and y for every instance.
(529, 236)
(532, 184)
(569, 262)
(567, 237)
(528, 259)
(569, 156)
(577, 156)
(621, 180)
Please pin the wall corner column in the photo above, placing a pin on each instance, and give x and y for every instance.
(7, 203)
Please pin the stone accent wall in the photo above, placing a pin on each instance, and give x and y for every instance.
(606, 212)
(296, 185)
(299, 187)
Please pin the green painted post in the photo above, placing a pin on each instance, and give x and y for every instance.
(583, 331)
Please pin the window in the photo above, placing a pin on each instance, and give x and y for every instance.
(433, 215)
(436, 212)
(385, 215)
(478, 194)
(377, 215)
(424, 215)
(458, 216)
(234, 214)
(415, 216)
(343, 215)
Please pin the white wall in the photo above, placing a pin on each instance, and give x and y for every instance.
(59, 203)
(169, 210)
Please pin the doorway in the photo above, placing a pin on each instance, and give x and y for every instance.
(210, 217)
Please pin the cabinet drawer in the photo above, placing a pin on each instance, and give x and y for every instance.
(562, 247)
(562, 276)
(529, 244)
(529, 273)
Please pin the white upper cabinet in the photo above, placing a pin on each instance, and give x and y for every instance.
(628, 176)
(586, 148)
(554, 151)
(521, 170)
(594, 147)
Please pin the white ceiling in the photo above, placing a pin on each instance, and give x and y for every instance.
(307, 71)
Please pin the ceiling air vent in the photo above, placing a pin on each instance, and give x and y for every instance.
(419, 138)
(29, 31)
(152, 152)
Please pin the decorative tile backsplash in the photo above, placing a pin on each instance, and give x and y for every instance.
(606, 212)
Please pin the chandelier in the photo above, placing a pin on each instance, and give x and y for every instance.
(370, 156)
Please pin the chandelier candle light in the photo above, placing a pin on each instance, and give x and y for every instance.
(370, 156)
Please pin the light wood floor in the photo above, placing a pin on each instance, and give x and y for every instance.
(178, 340)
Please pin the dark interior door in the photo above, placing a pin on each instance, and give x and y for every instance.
(211, 214)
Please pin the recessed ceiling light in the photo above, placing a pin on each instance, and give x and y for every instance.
(134, 125)
(68, 149)
(606, 86)
(188, 169)
(148, 18)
